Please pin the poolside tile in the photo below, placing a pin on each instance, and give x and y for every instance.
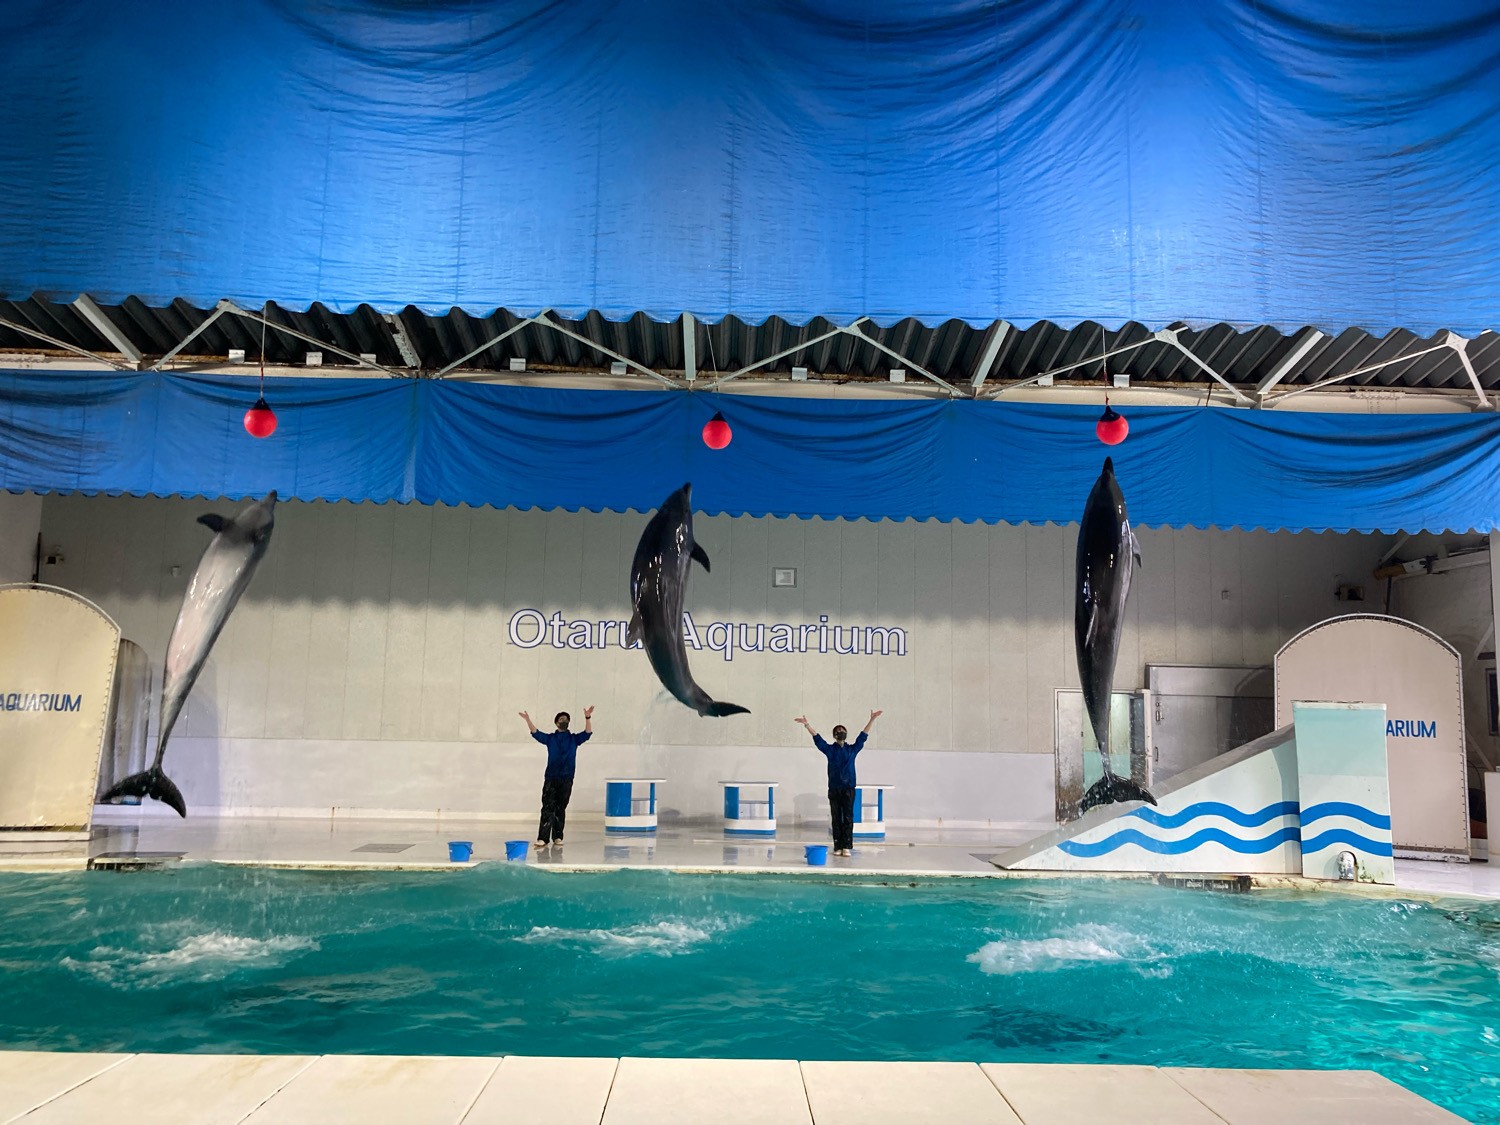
(1069, 1094)
(169, 1089)
(30, 1078)
(1307, 1097)
(695, 1091)
(375, 1089)
(558, 1091)
(898, 1093)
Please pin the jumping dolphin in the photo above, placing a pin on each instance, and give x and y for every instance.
(1107, 555)
(658, 583)
(227, 565)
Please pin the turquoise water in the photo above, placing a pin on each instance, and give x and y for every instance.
(514, 960)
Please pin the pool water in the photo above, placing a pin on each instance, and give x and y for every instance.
(507, 959)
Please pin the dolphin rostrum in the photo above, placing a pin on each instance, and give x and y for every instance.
(227, 565)
(1107, 556)
(658, 583)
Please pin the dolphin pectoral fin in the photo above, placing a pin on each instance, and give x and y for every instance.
(1135, 547)
(213, 521)
(149, 783)
(634, 630)
(720, 710)
(1112, 789)
(701, 555)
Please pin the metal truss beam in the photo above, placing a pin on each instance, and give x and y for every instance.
(543, 318)
(1170, 336)
(27, 330)
(492, 341)
(231, 307)
(782, 354)
(855, 330)
(219, 310)
(404, 344)
(107, 328)
(1332, 379)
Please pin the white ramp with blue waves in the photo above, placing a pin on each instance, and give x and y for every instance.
(1266, 808)
(1235, 814)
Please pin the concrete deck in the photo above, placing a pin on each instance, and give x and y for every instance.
(40, 1088)
(128, 835)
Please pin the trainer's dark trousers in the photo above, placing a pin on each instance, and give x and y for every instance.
(841, 805)
(555, 796)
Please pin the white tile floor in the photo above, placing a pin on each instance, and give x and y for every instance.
(37, 1087)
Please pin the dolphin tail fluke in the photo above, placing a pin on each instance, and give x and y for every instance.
(1111, 789)
(148, 783)
(719, 710)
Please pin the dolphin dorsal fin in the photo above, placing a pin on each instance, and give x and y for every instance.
(701, 555)
(213, 521)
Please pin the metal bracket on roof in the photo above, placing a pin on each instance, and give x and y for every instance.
(27, 330)
(219, 310)
(1287, 365)
(999, 331)
(782, 354)
(402, 338)
(543, 318)
(1170, 336)
(231, 307)
(689, 347)
(1321, 383)
(107, 328)
(1460, 345)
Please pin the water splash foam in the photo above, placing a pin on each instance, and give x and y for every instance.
(663, 939)
(194, 959)
(1081, 945)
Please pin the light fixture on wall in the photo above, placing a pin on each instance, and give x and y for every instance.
(784, 576)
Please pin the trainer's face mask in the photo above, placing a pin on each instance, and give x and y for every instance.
(840, 733)
(562, 720)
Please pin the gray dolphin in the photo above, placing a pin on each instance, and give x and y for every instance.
(658, 585)
(223, 573)
(1107, 555)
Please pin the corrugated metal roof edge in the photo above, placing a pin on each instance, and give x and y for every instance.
(804, 516)
(757, 318)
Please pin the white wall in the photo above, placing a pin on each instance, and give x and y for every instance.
(369, 666)
(20, 519)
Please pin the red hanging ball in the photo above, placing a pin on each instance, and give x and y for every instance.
(260, 420)
(716, 432)
(1111, 427)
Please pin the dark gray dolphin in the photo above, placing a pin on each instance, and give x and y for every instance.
(1107, 555)
(658, 585)
(227, 565)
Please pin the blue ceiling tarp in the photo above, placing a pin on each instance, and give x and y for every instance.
(1326, 163)
(465, 443)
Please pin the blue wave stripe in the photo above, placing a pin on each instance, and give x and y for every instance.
(1344, 808)
(1345, 836)
(1178, 847)
(1216, 808)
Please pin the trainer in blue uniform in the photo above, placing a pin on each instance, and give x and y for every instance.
(557, 783)
(841, 782)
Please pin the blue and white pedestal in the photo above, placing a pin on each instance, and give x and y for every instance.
(869, 811)
(749, 808)
(630, 804)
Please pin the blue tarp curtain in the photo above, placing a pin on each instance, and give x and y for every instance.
(464, 443)
(1329, 162)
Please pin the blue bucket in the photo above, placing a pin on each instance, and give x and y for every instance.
(459, 851)
(817, 854)
(516, 849)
